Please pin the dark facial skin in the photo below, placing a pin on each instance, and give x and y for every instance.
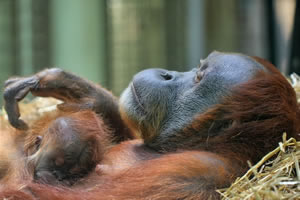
(159, 103)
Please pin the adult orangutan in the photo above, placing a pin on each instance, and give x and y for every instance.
(198, 128)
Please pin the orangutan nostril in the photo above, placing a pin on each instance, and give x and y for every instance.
(166, 76)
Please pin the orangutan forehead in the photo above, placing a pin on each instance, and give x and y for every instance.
(232, 68)
(234, 61)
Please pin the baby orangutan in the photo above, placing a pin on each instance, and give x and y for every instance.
(68, 148)
(61, 147)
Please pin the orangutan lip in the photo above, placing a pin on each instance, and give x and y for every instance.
(136, 96)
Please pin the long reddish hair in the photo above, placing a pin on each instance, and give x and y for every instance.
(251, 121)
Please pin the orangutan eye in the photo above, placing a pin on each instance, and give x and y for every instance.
(199, 76)
(203, 65)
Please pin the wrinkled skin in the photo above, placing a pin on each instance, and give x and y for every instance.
(164, 102)
(198, 128)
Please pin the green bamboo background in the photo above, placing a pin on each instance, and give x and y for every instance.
(108, 41)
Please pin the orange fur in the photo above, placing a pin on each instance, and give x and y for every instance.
(18, 156)
(208, 154)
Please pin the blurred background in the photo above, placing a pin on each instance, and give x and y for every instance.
(108, 41)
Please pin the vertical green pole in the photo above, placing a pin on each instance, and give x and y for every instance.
(24, 27)
(7, 44)
(176, 30)
(41, 34)
(78, 37)
(195, 32)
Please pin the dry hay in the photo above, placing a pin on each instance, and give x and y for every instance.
(276, 176)
(30, 110)
(270, 178)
